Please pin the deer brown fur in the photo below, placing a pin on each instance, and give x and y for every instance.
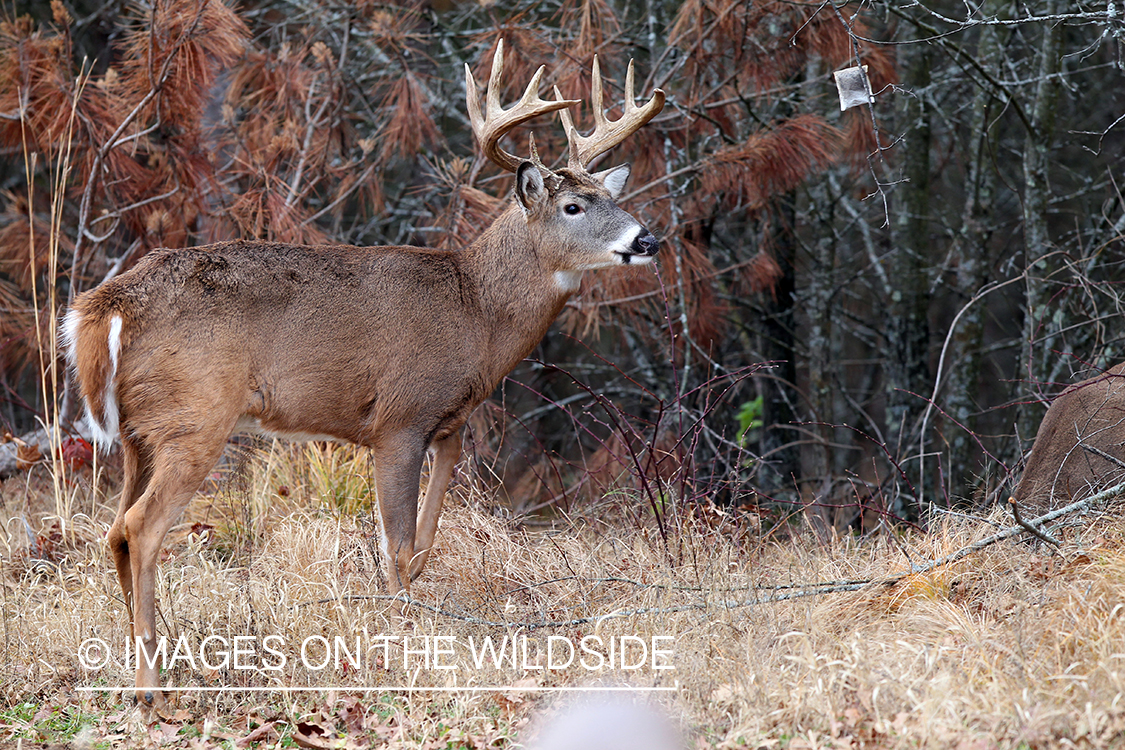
(387, 347)
(1059, 470)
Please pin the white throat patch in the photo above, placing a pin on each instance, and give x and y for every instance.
(568, 281)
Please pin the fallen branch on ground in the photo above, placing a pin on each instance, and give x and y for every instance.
(1027, 526)
(796, 592)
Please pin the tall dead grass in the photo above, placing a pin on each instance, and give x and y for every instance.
(1010, 647)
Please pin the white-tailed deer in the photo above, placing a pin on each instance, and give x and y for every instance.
(1060, 469)
(388, 347)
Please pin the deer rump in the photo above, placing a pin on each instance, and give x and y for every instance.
(262, 337)
(1059, 470)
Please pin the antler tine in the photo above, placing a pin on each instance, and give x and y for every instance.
(495, 122)
(567, 121)
(596, 93)
(535, 153)
(608, 133)
(492, 95)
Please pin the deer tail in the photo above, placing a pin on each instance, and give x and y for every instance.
(91, 338)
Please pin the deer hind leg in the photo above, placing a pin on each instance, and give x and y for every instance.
(398, 468)
(178, 468)
(138, 470)
(445, 452)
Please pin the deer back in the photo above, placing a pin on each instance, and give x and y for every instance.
(307, 341)
(1059, 470)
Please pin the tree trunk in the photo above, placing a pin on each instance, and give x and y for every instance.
(779, 392)
(907, 333)
(1038, 325)
(973, 271)
(815, 300)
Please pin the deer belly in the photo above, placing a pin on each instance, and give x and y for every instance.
(249, 425)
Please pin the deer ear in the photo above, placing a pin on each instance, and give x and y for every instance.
(530, 188)
(613, 179)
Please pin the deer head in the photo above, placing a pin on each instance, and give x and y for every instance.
(573, 207)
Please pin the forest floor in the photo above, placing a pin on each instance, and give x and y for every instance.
(278, 634)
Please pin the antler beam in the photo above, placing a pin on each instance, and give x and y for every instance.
(607, 133)
(490, 126)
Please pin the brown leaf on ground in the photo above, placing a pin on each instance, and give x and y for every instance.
(520, 693)
(163, 733)
(266, 732)
(352, 714)
(312, 735)
(27, 455)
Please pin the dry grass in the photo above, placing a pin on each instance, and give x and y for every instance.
(1011, 647)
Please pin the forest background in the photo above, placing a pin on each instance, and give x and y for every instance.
(854, 314)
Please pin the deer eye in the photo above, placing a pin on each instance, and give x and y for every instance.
(573, 209)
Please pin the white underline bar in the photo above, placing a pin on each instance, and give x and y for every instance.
(374, 689)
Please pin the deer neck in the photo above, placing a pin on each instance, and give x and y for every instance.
(520, 293)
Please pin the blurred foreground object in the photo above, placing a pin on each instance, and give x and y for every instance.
(599, 724)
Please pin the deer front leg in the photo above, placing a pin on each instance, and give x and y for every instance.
(446, 452)
(398, 468)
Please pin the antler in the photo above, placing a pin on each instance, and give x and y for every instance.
(607, 134)
(490, 127)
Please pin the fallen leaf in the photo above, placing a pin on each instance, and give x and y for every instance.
(308, 734)
(76, 453)
(515, 696)
(201, 529)
(163, 733)
(265, 732)
(352, 714)
(26, 456)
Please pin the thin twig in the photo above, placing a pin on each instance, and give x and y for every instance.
(1103, 454)
(1028, 527)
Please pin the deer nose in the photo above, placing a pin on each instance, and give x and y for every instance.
(645, 244)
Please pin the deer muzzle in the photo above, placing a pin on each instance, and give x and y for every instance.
(644, 247)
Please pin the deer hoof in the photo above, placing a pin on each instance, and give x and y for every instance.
(151, 699)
